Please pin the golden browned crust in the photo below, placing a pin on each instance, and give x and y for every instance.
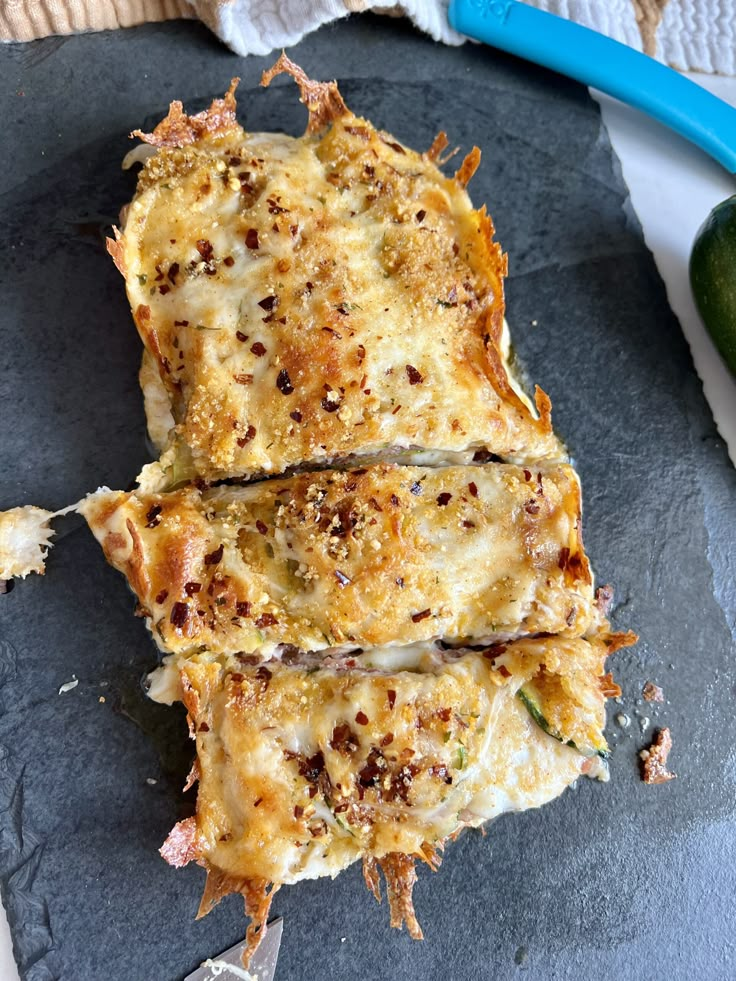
(468, 167)
(180, 130)
(363, 558)
(401, 877)
(323, 299)
(654, 759)
(322, 99)
(116, 251)
(308, 766)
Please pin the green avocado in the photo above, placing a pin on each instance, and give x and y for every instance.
(713, 278)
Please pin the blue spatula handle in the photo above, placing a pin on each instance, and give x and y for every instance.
(596, 60)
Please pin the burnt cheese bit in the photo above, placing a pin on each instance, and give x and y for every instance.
(415, 377)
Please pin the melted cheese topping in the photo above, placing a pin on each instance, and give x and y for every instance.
(313, 299)
(25, 538)
(376, 556)
(379, 762)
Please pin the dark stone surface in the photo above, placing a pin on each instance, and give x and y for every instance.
(618, 881)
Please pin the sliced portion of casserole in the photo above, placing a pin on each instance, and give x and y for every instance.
(381, 555)
(304, 768)
(312, 300)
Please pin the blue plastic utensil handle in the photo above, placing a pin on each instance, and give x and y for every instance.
(604, 64)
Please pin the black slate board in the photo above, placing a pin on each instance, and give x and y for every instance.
(610, 881)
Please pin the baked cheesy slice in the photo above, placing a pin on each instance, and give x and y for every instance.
(304, 768)
(312, 300)
(334, 560)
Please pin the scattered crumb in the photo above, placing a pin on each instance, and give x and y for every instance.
(623, 720)
(534, 323)
(343, 939)
(151, 782)
(654, 759)
(101, 699)
(644, 722)
(652, 692)
(69, 685)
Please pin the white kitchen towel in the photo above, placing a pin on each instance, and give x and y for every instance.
(688, 34)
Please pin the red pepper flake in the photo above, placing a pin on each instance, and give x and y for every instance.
(468, 524)
(444, 499)
(251, 238)
(152, 518)
(258, 802)
(329, 330)
(344, 740)
(342, 578)
(242, 608)
(249, 434)
(298, 811)
(329, 405)
(229, 261)
(236, 677)
(205, 249)
(415, 377)
(421, 215)
(241, 336)
(387, 739)
(416, 488)
(243, 379)
(296, 415)
(394, 500)
(531, 507)
(361, 718)
(397, 409)
(308, 287)
(374, 504)
(418, 617)
(203, 727)
(274, 208)
(503, 671)
(268, 303)
(181, 323)
(258, 349)
(473, 488)
(161, 598)
(179, 614)
(266, 620)
(262, 529)
(394, 146)
(173, 272)
(190, 588)
(391, 696)
(527, 474)
(214, 557)
(283, 382)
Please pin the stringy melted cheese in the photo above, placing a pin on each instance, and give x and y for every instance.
(377, 556)
(310, 299)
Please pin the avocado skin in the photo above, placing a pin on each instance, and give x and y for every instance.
(713, 278)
